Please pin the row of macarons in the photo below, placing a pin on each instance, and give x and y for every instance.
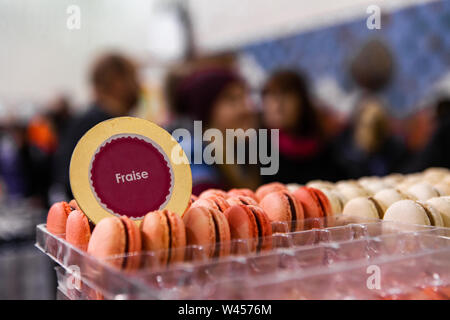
(433, 182)
(419, 198)
(212, 220)
(215, 217)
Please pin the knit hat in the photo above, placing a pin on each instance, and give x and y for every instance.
(198, 92)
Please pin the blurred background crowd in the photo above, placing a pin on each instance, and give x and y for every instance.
(349, 101)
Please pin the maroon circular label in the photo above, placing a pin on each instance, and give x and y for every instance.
(131, 176)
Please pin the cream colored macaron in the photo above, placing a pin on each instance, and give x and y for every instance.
(409, 181)
(387, 197)
(443, 188)
(433, 214)
(423, 191)
(373, 184)
(413, 212)
(393, 179)
(442, 204)
(336, 200)
(320, 184)
(364, 207)
(435, 175)
(351, 190)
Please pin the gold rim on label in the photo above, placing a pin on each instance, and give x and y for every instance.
(88, 145)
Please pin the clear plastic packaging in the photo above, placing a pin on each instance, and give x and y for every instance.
(333, 258)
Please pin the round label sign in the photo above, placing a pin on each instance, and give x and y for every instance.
(123, 167)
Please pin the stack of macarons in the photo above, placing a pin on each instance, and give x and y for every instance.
(67, 220)
(112, 236)
(373, 207)
(280, 203)
(216, 217)
(418, 198)
(433, 182)
(294, 203)
(210, 222)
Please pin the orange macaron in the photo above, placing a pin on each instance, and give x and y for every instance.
(234, 200)
(74, 205)
(192, 199)
(250, 222)
(208, 227)
(315, 203)
(242, 192)
(265, 189)
(164, 232)
(78, 230)
(212, 202)
(213, 192)
(281, 206)
(115, 238)
(57, 217)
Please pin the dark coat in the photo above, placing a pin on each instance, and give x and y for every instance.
(437, 151)
(74, 132)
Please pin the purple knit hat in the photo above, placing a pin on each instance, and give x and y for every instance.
(198, 92)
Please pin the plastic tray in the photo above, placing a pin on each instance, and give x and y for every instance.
(333, 258)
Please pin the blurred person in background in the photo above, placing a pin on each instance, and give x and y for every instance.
(116, 91)
(42, 142)
(60, 114)
(304, 152)
(436, 153)
(219, 98)
(43, 134)
(368, 147)
(177, 115)
(14, 161)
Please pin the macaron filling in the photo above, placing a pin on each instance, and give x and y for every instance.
(220, 203)
(439, 194)
(341, 203)
(169, 226)
(293, 212)
(127, 243)
(428, 213)
(67, 208)
(402, 194)
(260, 232)
(318, 202)
(377, 207)
(218, 237)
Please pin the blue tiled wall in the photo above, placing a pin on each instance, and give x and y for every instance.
(419, 37)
